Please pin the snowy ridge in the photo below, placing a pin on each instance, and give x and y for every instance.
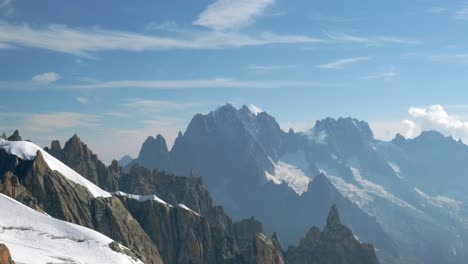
(27, 151)
(291, 174)
(142, 198)
(364, 192)
(183, 206)
(35, 238)
(439, 200)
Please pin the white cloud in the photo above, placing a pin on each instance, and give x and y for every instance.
(436, 118)
(82, 100)
(169, 26)
(194, 84)
(372, 40)
(7, 8)
(255, 109)
(339, 64)
(5, 3)
(268, 68)
(159, 106)
(462, 14)
(58, 120)
(84, 42)
(437, 10)
(46, 78)
(387, 74)
(231, 14)
(451, 58)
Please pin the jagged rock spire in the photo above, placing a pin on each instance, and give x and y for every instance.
(15, 137)
(333, 218)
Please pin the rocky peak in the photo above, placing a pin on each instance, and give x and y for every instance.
(5, 257)
(399, 139)
(154, 154)
(333, 218)
(15, 136)
(115, 168)
(345, 128)
(76, 155)
(336, 244)
(4, 136)
(55, 145)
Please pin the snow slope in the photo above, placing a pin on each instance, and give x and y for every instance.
(35, 238)
(292, 174)
(142, 198)
(27, 151)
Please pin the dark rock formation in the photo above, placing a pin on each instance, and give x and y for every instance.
(80, 158)
(52, 193)
(336, 244)
(5, 257)
(255, 246)
(125, 160)
(154, 154)
(15, 136)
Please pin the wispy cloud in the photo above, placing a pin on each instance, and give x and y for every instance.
(339, 64)
(370, 40)
(269, 68)
(231, 14)
(6, 7)
(46, 78)
(160, 106)
(450, 57)
(84, 42)
(169, 26)
(51, 121)
(437, 10)
(82, 100)
(462, 14)
(386, 75)
(197, 84)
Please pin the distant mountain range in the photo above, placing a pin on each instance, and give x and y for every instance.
(141, 216)
(406, 196)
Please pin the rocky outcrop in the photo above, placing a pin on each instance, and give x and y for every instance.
(336, 244)
(191, 192)
(81, 159)
(255, 246)
(153, 154)
(180, 235)
(267, 250)
(15, 136)
(5, 257)
(51, 192)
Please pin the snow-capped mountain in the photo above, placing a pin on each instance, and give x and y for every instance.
(27, 151)
(413, 188)
(239, 154)
(36, 238)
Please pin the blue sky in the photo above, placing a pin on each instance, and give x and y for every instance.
(112, 71)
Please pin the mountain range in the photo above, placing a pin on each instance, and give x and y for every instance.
(70, 207)
(405, 196)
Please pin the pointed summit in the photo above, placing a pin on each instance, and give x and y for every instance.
(333, 218)
(154, 154)
(15, 137)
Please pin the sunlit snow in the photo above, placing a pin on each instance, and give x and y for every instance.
(35, 238)
(27, 151)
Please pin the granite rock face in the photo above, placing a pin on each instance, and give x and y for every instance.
(336, 244)
(80, 158)
(36, 185)
(15, 136)
(5, 257)
(256, 247)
